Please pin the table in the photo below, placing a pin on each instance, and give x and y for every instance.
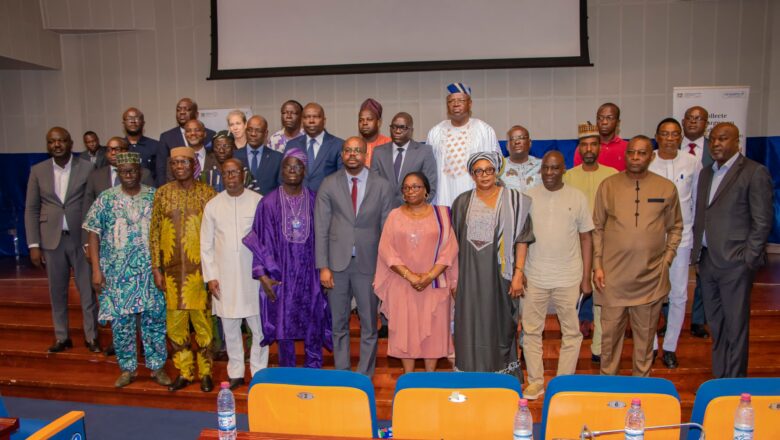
(213, 434)
(8, 425)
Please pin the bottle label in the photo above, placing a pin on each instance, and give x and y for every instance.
(635, 434)
(522, 434)
(227, 421)
(743, 433)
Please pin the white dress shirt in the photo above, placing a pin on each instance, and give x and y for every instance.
(683, 171)
(699, 149)
(61, 179)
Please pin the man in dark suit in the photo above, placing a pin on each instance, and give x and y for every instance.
(149, 149)
(694, 142)
(195, 133)
(322, 149)
(186, 109)
(261, 161)
(396, 159)
(52, 220)
(351, 209)
(734, 216)
(95, 153)
(106, 176)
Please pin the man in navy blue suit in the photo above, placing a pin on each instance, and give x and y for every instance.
(258, 158)
(149, 149)
(186, 109)
(322, 148)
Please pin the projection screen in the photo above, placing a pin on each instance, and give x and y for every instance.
(262, 38)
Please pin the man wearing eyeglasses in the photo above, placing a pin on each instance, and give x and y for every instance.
(394, 160)
(350, 211)
(133, 123)
(454, 140)
(613, 148)
(521, 171)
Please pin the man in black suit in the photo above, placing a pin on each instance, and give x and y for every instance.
(261, 161)
(396, 159)
(149, 149)
(695, 143)
(734, 216)
(95, 153)
(322, 148)
(186, 109)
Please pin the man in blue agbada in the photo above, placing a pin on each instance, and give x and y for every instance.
(118, 226)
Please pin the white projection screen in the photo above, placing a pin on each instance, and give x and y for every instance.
(262, 38)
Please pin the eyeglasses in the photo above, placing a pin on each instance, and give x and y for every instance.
(695, 119)
(394, 127)
(519, 138)
(606, 118)
(232, 173)
(409, 188)
(293, 168)
(223, 146)
(355, 151)
(486, 171)
(457, 101)
(180, 162)
(133, 118)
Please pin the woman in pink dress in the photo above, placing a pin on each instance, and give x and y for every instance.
(416, 270)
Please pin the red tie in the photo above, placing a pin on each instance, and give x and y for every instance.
(692, 148)
(354, 195)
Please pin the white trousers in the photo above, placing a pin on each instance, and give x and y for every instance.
(678, 296)
(234, 342)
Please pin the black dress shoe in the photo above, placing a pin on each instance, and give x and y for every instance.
(60, 346)
(595, 358)
(382, 332)
(235, 383)
(206, 384)
(670, 359)
(109, 351)
(699, 331)
(178, 384)
(93, 346)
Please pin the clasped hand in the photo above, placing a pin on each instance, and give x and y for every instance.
(419, 281)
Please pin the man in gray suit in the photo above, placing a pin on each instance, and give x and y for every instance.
(352, 205)
(734, 216)
(52, 219)
(694, 142)
(396, 159)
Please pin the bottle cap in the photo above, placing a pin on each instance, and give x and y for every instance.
(745, 397)
(223, 385)
(523, 402)
(636, 401)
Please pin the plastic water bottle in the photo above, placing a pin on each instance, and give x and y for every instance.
(524, 422)
(744, 419)
(226, 412)
(635, 421)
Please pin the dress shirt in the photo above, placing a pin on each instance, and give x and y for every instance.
(361, 185)
(113, 175)
(395, 154)
(186, 144)
(717, 178)
(699, 149)
(201, 156)
(317, 144)
(250, 155)
(61, 179)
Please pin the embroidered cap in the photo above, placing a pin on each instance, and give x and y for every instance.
(459, 88)
(130, 157)
(587, 130)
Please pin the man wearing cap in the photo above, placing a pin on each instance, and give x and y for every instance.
(613, 148)
(454, 140)
(195, 133)
(369, 122)
(638, 226)
(293, 305)
(224, 147)
(521, 171)
(587, 177)
(118, 228)
(227, 268)
(175, 247)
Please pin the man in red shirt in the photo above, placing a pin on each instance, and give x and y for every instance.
(613, 148)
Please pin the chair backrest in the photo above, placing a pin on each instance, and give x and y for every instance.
(309, 401)
(450, 405)
(601, 403)
(716, 403)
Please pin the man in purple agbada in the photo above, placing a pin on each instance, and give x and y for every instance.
(292, 303)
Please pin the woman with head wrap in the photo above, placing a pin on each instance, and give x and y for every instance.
(292, 303)
(493, 230)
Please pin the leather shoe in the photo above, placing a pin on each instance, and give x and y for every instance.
(206, 384)
(595, 358)
(125, 379)
(161, 377)
(93, 346)
(60, 346)
(670, 359)
(179, 383)
(235, 383)
(699, 331)
(109, 351)
(382, 332)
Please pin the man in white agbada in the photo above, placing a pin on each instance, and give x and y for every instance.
(227, 268)
(454, 140)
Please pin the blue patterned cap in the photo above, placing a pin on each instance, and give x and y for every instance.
(459, 88)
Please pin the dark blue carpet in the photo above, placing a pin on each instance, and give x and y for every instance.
(123, 422)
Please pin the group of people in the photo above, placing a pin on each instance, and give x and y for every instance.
(456, 247)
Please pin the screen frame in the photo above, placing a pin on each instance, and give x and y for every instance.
(583, 60)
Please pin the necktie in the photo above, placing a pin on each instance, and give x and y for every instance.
(354, 195)
(254, 165)
(196, 174)
(310, 152)
(116, 178)
(692, 148)
(399, 158)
